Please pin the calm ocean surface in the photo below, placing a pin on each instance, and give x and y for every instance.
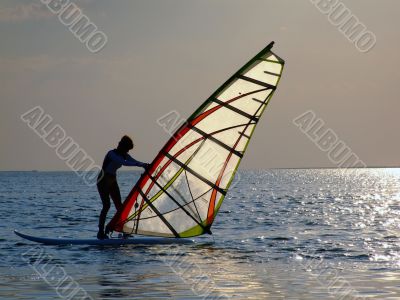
(280, 234)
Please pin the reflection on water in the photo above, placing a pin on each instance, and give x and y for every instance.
(280, 234)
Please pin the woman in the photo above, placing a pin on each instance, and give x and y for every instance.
(107, 181)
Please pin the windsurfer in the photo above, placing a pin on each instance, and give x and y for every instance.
(107, 184)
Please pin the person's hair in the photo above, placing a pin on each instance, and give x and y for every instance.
(126, 143)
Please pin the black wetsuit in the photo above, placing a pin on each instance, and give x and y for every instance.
(107, 181)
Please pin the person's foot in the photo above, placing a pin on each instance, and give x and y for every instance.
(102, 236)
(107, 231)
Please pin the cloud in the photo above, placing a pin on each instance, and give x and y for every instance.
(24, 12)
(117, 69)
(34, 11)
(25, 64)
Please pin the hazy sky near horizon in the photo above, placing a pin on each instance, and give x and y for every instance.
(165, 55)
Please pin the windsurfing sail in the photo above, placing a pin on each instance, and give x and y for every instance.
(181, 192)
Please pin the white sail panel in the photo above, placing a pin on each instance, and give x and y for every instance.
(265, 71)
(239, 88)
(221, 118)
(190, 137)
(251, 104)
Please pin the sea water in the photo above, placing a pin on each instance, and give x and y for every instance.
(280, 234)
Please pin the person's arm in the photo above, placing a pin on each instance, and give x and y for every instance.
(135, 162)
(130, 162)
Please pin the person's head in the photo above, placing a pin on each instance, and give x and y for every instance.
(125, 144)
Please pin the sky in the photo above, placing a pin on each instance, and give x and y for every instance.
(171, 55)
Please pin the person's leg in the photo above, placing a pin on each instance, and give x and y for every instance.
(116, 195)
(105, 199)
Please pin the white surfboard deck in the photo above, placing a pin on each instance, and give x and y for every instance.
(138, 240)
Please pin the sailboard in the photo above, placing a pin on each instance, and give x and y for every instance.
(179, 195)
(110, 241)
